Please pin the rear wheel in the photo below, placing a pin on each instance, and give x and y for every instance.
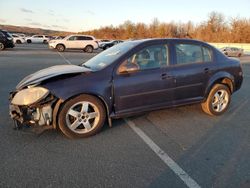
(239, 55)
(45, 42)
(28, 41)
(60, 48)
(1, 46)
(81, 117)
(217, 101)
(18, 42)
(89, 49)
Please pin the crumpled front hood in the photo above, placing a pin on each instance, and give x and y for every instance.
(50, 72)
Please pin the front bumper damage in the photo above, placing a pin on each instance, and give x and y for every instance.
(38, 115)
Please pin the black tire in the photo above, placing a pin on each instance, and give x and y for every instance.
(1, 46)
(226, 54)
(89, 49)
(239, 55)
(66, 121)
(60, 48)
(18, 42)
(45, 42)
(29, 41)
(210, 107)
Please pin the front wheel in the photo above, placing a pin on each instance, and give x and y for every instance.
(1, 46)
(217, 101)
(60, 48)
(81, 117)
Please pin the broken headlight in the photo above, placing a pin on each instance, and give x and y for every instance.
(29, 96)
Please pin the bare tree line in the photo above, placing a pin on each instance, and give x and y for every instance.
(216, 28)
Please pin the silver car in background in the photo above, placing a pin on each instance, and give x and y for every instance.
(232, 51)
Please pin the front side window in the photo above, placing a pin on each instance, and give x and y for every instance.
(73, 38)
(148, 58)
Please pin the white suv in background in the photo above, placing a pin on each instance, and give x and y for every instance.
(81, 42)
(38, 39)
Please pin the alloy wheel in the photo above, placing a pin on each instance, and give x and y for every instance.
(1, 46)
(220, 100)
(82, 117)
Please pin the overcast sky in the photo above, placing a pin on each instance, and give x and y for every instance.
(80, 15)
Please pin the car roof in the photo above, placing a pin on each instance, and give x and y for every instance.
(167, 40)
(81, 35)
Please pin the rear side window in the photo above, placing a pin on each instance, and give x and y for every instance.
(207, 54)
(88, 38)
(192, 53)
(83, 38)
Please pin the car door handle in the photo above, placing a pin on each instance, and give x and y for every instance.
(165, 76)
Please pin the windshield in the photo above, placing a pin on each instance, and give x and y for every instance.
(107, 57)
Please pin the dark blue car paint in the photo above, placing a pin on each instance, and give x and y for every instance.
(126, 94)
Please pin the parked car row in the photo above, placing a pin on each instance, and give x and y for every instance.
(86, 43)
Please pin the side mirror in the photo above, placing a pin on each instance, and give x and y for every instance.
(128, 68)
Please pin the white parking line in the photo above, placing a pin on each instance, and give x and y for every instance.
(67, 61)
(164, 156)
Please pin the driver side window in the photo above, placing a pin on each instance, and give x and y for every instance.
(148, 58)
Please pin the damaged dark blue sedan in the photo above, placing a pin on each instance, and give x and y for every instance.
(127, 79)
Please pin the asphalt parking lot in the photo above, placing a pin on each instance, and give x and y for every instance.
(211, 151)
